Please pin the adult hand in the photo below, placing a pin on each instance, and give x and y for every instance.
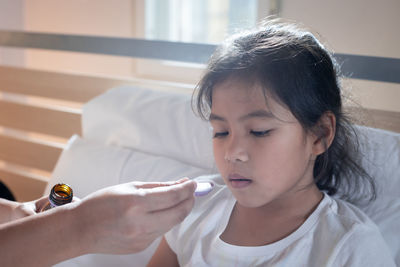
(121, 219)
(12, 210)
(127, 218)
(23, 209)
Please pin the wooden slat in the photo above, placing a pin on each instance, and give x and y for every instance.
(32, 137)
(29, 153)
(384, 119)
(20, 170)
(40, 120)
(42, 102)
(387, 120)
(24, 188)
(71, 86)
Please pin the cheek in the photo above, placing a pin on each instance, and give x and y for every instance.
(282, 155)
(218, 154)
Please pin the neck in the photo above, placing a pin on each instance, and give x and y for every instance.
(298, 204)
(273, 221)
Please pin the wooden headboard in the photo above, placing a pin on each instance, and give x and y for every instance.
(39, 112)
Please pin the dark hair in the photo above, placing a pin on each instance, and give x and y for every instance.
(301, 74)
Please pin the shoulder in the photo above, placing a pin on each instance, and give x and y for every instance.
(345, 216)
(354, 239)
(344, 219)
(205, 215)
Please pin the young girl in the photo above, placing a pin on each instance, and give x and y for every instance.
(283, 148)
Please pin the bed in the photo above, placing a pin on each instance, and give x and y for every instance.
(134, 129)
(135, 133)
(95, 131)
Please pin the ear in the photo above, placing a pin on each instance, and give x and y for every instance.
(324, 133)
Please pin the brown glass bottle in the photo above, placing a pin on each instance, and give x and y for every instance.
(59, 195)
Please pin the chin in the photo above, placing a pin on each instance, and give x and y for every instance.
(249, 203)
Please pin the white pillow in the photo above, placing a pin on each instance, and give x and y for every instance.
(381, 150)
(88, 166)
(145, 167)
(157, 122)
(381, 158)
(385, 212)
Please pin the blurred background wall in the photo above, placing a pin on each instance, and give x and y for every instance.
(361, 27)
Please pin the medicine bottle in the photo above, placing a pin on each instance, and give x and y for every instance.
(60, 194)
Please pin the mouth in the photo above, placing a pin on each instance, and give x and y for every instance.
(238, 181)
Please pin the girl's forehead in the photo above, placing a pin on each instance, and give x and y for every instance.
(239, 90)
(245, 96)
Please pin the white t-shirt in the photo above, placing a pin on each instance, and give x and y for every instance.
(335, 234)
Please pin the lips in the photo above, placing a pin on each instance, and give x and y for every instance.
(238, 181)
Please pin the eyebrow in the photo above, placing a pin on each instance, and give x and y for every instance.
(254, 114)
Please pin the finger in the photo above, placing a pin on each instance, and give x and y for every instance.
(158, 184)
(40, 203)
(76, 199)
(27, 209)
(164, 197)
(163, 220)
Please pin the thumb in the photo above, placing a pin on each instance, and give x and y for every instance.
(160, 184)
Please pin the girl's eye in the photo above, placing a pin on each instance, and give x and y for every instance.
(260, 133)
(220, 134)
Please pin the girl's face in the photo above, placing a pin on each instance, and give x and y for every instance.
(262, 152)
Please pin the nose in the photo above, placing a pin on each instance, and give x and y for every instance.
(236, 150)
